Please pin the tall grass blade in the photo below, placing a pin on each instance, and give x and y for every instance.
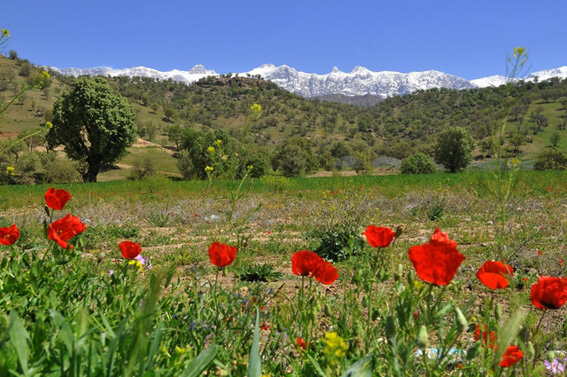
(198, 365)
(254, 367)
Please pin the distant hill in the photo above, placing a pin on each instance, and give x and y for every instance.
(394, 127)
(362, 101)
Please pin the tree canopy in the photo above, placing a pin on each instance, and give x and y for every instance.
(93, 124)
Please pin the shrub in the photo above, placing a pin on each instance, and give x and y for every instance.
(551, 159)
(62, 171)
(418, 163)
(338, 242)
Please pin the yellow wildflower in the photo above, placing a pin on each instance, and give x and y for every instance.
(209, 168)
(45, 75)
(5, 33)
(211, 150)
(518, 51)
(218, 142)
(48, 124)
(180, 350)
(10, 170)
(136, 263)
(256, 109)
(335, 345)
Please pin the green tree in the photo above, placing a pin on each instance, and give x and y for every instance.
(551, 159)
(454, 149)
(554, 139)
(93, 124)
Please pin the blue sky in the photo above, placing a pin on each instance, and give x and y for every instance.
(467, 38)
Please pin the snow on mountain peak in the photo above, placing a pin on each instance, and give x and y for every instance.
(360, 81)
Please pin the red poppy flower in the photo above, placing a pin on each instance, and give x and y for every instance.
(129, 249)
(494, 274)
(301, 343)
(379, 236)
(437, 261)
(487, 337)
(326, 273)
(221, 255)
(511, 356)
(64, 229)
(305, 263)
(8, 236)
(549, 292)
(56, 199)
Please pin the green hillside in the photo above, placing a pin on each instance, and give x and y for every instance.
(395, 127)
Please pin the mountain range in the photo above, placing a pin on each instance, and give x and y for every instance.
(359, 82)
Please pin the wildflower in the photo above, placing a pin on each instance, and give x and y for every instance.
(256, 108)
(494, 274)
(437, 261)
(5, 33)
(49, 125)
(10, 170)
(326, 273)
(549, 292)
(130, 250)
(379, 236)
(211, 150)
(511, 356)
(180, 350)
(9, 235)
(518, 51)
(56, 199)
(144, 261)
(64, 229)
(136, 263)
(487, 337)
(218, 142)
(45, 76)
(221, 255)
(335, 345)
(209, 169)
(264, 327)
(555, 366)
(305, 263)
(301, 343)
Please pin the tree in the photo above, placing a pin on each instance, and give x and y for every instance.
(554, 139)
(454, 149)
(93, 124)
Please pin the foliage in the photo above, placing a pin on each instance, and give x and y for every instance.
(454, 149)
(93, 124)
(258, 272)
(338, 242)
(418, 163)
(551, 159)
(294, 157)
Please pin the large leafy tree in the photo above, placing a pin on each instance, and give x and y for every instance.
(454, 149)
(93, 124)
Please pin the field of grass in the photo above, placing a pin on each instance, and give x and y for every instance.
(65, 314)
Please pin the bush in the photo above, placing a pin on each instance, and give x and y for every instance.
(62, 171)
(418, 163)
(141, 169)
(551, 159)
(338, 242)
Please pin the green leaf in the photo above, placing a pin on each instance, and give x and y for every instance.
(362, 368)
(65, 328)
(254, 366)
(199, 364)
(18, 337)
(316, 365)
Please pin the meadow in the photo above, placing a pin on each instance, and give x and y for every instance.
(93, 310)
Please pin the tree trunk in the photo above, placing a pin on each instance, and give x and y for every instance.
(92, 171)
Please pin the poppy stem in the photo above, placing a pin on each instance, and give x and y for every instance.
(536, 344)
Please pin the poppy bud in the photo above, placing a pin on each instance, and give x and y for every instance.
(422, 337)
(498, 312)
(399, 230)
(530, 351)
(462, 323)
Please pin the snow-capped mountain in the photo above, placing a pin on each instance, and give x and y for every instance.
(360, 81)
(498, 80)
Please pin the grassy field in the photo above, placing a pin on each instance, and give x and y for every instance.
(77, 319)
